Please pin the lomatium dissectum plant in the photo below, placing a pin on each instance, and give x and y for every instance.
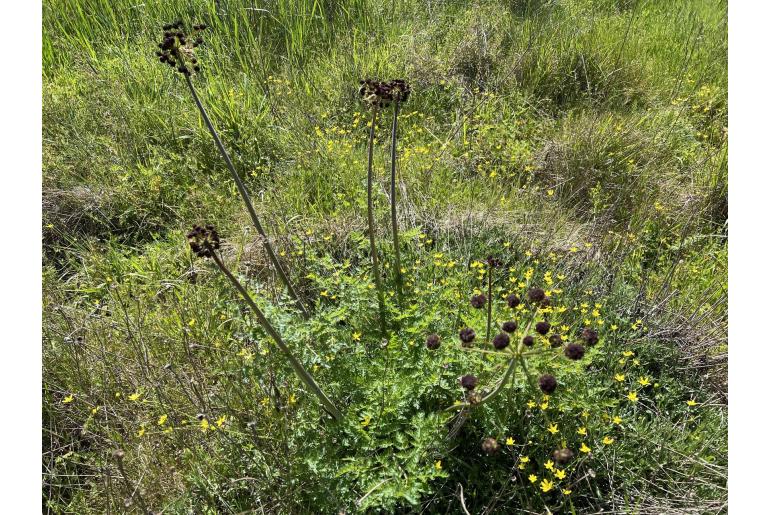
(204, 242)
(517, 354)
(177, 49)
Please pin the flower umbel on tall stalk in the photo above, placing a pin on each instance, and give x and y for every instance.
(177, 49)
(204, 242)
(376, 95)
(400, 92)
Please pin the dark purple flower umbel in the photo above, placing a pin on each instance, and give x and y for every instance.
(433, 342)
(555, 340)
(547, 383)
(510, 326)
(528, 340)
(203, 240)
(590, 336)
(467, 335)
(501, 341)
(542, 327)
(478, 301)
(536, 295)
(177, 47)
(400, 90)
(469, 381)
(513, 300)
(574, 351)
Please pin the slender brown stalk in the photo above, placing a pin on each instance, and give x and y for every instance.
(370, 216)
(133, 490)
(303, 374)
(393, 216)
(247, 200)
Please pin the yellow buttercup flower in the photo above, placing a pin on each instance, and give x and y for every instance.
(584, 448)
(566, 491)
(553, 429)
(357, 336)
(437, 465)
(69, 398)
(546, 485)
(162, 419)
(617, 420)
(509, 441)
(620, 377)
(134, 396)
(691, 402)
(532, 478)
(632, 396)
(366, 420)
(548, 465)
(644, 381)
(607, 440)
(560, 474)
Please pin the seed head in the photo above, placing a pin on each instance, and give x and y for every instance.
(203, 240)
(510, 326)
(547, 383)
(528, 340)
(513, 300)
(467, 335)
(501, 341)
(574, 351)
(563, 456)
(433, 342)
(490, 446)
(590, 336)
(473, 397)
(536, 295)
(478, 301)
(469, 381)
(555, 340)
(542, 327)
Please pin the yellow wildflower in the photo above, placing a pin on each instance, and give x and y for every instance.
(548, 465)
(532, 478)
(632, 396)
(546, 485)
(691, 402)
(560, 474)
(620, 377)
(162, 419)
(134, 396)
(437, 465)
(69, 398)
(553, 429)
(582, 431)
(357, 336)
(644, 381)
(509, 441)
(584, 448)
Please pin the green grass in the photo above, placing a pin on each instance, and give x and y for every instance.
(586, 138)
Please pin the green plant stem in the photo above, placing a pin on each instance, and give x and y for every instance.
(303, 374)
(370, 217)
(393, 216)
(489, 302)
(247, 200)
(510, 373)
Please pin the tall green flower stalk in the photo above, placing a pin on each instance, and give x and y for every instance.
(177, 49)
(370, 218)
(376, 95)
(400, 91)
(204, 242)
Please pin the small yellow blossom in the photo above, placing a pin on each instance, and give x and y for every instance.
(69, 398)
(584, 448)
(632, 396)
(546, 485)
(531, 404)
(509, 441)
(357, 336)
(162, 419)
(366, 420)
(553, 429)
(437, 465)
(620, 377)
(582, 431)
(524, 459)
(566, 491)
(204, 425)
(691, 402)
(617, 420)
(221, 420)
(644, 381)
(532, 478)
(628, 353)
(560, 474)
(134, 396)
(548, 465)
(141, 432)
(607, 440)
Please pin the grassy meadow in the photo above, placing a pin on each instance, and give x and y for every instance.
(575, 147)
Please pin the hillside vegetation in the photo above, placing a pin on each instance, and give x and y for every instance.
(578, 147)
